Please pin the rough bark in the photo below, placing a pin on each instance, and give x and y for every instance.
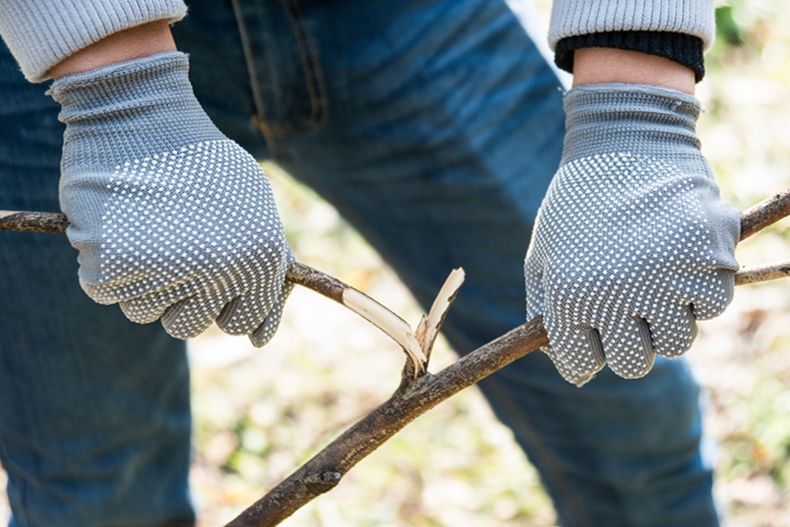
(767, 212)
(33, 222)
(762, 273)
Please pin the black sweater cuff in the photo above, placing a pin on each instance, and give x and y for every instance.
(679, 47)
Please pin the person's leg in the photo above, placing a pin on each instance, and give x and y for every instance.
(435, 127)
(94, 410)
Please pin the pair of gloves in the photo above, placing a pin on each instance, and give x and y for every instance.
(176, 222)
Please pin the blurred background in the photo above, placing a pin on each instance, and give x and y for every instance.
(261, 413)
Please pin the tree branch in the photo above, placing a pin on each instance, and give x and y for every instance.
(416, 393)
(762, 273)
(767, 212)
(413, 398)
(753, 220)
(33, 222)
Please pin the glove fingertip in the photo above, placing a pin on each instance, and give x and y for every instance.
(189, 317)
(97, 292)
(630, 352)
(576, 378)
(630, 370)
(674, 335)
(579, 349)
(140, 313)
(264, 333)
(239, 316)
(576, 352)
(184, 332)
(719, 298)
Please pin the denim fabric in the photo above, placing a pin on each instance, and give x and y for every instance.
(434, 127)
(94, 410)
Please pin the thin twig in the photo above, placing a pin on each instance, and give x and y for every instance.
(762, 273)
(49, 222)
(429, 326)
(767, 212)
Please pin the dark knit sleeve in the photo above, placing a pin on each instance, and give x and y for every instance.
(678, 47)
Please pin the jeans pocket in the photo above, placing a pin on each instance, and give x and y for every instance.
(285, 76)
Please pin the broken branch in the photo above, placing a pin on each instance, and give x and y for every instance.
(429, 326)
(413, 398)
(375, 313)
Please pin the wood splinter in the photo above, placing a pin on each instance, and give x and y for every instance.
(429, 326)
(388, 322)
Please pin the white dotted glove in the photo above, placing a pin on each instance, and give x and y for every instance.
(171, 218)
(632, 242)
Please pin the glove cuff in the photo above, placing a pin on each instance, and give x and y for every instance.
(131, 109)
(122, 86)
(633, 118)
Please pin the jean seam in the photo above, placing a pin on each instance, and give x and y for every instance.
(312, 69)
(313, 77)
(251, 71)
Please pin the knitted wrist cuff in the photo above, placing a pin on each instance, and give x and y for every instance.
(635, 118)
(678, 47)
(143, 106)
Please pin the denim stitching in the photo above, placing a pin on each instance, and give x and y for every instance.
(253, 74)
(311, 67)
(313, 79)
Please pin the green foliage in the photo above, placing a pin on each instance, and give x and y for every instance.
(727, 29)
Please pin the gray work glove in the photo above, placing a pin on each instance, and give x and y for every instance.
(171, 218)
(632, 242)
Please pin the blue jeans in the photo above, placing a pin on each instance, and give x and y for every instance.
(434, 127)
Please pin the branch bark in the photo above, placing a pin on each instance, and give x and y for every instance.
(413, 398)
(762, 273)
(33, 222)
(419, 391)
(767, 212)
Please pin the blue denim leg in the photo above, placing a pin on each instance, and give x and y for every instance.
(94, 410)
(435, 127)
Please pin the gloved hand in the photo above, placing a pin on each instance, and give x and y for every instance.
(632, 242)
(171, 218)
